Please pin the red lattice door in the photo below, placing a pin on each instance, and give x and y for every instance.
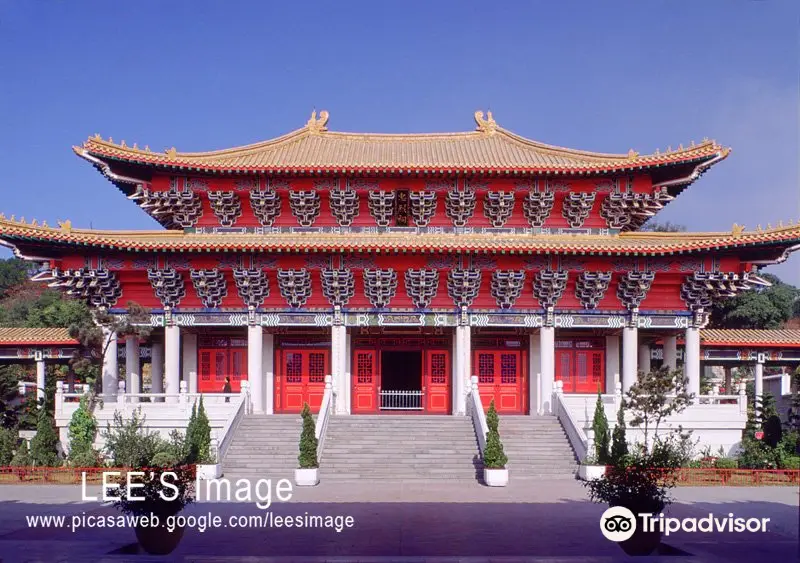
(500, 378)
(215, 364)
(581, 369)
(365, 381)
(436, 388)
(303, 379)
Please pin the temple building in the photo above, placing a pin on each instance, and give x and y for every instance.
(401, 265)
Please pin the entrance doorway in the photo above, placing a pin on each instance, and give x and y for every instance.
(401, 380)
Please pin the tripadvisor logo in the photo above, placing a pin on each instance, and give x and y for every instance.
(619, 524)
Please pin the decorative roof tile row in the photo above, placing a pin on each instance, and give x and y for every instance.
(640, 243)
(750, 337)
(35, 336)
(314, 148)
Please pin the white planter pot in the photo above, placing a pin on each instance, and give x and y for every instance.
(306, 477)
(495, 477)
(209, 471)
(591, 472)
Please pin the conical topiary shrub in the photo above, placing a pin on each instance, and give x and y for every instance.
(602, 435)
(308, 441)
(44, 446)
(493, 455)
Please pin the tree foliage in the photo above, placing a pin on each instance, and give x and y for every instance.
(44, 446)
(619, 444)
(602, 434)
(8, 443)
(198, 435)
(654, 397)
(308, 441)
(760, 308)
(82, 432)
(667, 227)
(494, 456)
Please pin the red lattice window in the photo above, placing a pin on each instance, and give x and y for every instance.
(438, 368)
(205, 366)
(364, 368)
(485, 368)
(565, 366)
(597, 368)
(508, 368)
(220, 365)
(581, 368)
(316, 368)
(238, 365)
(294, 367)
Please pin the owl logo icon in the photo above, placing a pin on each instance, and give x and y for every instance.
(618, 523)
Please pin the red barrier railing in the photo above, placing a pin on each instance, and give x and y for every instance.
(710, 476)
(60, 475)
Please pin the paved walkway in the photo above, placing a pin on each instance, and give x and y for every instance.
(527, 521)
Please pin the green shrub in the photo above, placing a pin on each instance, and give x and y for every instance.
(82, 432)
(726, 463)
(21, 457)
(791, 462)
(171, 452)
(44, 446)
(8, 443)
(602, 434)
(128, 443)
(619, 443)
(308, 441)
(493, 455)
(198, 435)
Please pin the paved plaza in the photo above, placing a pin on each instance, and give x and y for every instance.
(527, 521)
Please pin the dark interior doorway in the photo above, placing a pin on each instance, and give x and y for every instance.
(401, 370)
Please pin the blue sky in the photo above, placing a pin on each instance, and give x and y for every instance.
(606, 76)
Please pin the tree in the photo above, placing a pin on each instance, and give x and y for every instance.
(655, 396)
(44, 446)
(129, 443)
(619, 445)
(760, 308)
(13, 272)
(602, 436)
(656, 227)
(21, 456)
(308, 441)
(82, 432)
(494, 456)
(198, 435)
(8, 443)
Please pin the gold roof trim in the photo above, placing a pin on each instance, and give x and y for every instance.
(489, 147)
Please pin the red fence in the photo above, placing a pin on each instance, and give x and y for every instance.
(60, 475)
(709, 476)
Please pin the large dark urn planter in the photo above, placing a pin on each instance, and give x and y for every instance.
(642, 543)
(159, 540)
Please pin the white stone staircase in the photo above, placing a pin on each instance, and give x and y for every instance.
(400, 447)
(264, 447)
(537, 448)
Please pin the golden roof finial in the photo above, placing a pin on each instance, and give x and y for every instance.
(65, 225)
(705, 139)
(2, 215)
(692, 143)
(45, 225)
(110, 140)
(658, 152)
(135, 147)
(34, 223)
(172, 153)
(487, 125)
(147, 148)
(98, 137)
(680, 147)
(737, 229)
(769, 226)
(780, 224)
(669, 149)
(122, 144)
(320, 124)
(13, 219)
(632, 155)
(22, 219)
(759, 229)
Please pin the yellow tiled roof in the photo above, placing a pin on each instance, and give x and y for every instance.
(314, 148)
(644, 243)
(35, 336)
(748, 337)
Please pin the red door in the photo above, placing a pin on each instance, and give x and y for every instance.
(365, 396)
(215, 364)
(581, 370)
(500, 379)
(436, 388)
(303, 379)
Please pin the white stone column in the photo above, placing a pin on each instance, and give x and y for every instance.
(338, 353)
(268, 369)
(644, 357)
(172, 361)
(133, 369)
(41, 381)
(462, 374)
(534, 376)
(547, 353)
(255, 366)
(630, 371)
(189, 354)
(612, 362)
(691, 360)
(348, 372)
(157, 368)
(758, 386)
(110, 367)
(671, 352)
